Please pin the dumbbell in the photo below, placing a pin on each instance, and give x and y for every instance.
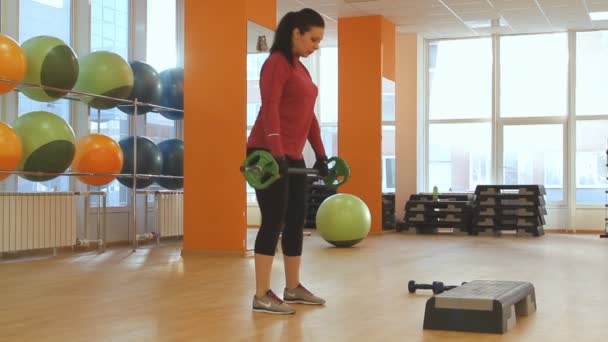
(437, 287)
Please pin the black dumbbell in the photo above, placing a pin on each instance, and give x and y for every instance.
(437, 287)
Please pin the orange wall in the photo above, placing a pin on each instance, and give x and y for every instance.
(406, 113)
(214, 104)
(263, 12)
(388, 49)
(360, 105)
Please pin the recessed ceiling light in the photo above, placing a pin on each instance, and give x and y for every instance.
(478, 23)
(485, 23)
(598, 15)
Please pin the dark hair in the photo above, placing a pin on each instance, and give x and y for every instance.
(303, 20)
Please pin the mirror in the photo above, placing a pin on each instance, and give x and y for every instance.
(256, 34)
(259, 40)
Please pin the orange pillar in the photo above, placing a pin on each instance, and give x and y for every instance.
(366, 53)
(263, 12)
(215, 97)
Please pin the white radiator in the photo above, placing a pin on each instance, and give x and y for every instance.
(169, 213)
(34, 220)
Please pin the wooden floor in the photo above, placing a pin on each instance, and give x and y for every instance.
(156, 295)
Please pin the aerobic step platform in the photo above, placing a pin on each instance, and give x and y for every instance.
(484, 306)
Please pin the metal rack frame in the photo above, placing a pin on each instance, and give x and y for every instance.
(133, 117)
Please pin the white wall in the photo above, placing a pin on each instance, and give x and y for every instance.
(589, 218)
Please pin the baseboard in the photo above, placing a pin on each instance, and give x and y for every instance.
(69, 250)
(570, 231)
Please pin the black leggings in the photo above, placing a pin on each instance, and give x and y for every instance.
(284, 201)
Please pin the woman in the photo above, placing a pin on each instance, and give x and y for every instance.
(285, 121)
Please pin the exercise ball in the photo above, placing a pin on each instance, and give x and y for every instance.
(13, 63)
(48, 144)
(172, 83)
(172, 152)
(149, 161)
(104, 73)
(10, 149)
(51, 63)
(146, 88)
(97, 153)
(343, 220)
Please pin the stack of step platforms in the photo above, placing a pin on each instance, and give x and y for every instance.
(388, 211)
(510, 207)
(317, 193)
(449, 210)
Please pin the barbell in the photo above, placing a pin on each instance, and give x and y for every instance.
(260, 169)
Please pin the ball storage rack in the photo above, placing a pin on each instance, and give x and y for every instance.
(75, 96)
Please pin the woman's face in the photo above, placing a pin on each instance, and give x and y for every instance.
(305, 44)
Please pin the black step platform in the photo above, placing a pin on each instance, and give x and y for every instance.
(485, 306)
(426, 213)
(500, 207)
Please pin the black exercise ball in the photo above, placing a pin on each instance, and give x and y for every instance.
(146, 88)
(149, 161)
(172, 83)
(172, 152)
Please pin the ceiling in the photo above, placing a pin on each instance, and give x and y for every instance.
(459, 18)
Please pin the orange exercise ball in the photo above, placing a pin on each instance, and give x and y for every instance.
(13, 63)
(97, 153)
(11, 150)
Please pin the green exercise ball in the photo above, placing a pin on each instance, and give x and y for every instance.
(48, 144)
(343, 220)
(52, 63)
(104, 73)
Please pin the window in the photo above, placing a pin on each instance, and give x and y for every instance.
(110, 32)
(161, 42)
(328, 85)
(460, 79)
(161, 54)
(459, 156)
(534, 75)
(329, 136)
(328, 99)
(459, 90)
(591, 73)
(534, 154)
(591, 146)
(528, 111)
(110, 26)
(37, 19)
(592, 117)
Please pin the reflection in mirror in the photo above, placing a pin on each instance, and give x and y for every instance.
(259, 40)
